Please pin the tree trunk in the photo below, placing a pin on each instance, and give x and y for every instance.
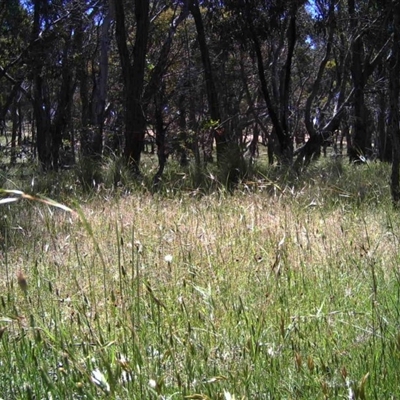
(100, 93)
(20, 124)
(278, 104)
(14, 111)
(40, 100)
(384, 140)
(42, 117)
(183, 136)
(63, 111)
(359, 142)
(394, 92)
(82, 77)
(361, 68)
(133, 76)
(212, 95)
(160, 137)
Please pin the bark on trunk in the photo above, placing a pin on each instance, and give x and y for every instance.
(40, 101)
(42, 117)
(133, 76)
(15, 120)
(100, 93)
(212, 96)
(278, 104)
(160, 138)
(394, 92)
(63, 113)
(361, 68)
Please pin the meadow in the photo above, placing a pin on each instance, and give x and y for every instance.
(287, 287)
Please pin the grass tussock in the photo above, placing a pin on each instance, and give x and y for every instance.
(286, 289)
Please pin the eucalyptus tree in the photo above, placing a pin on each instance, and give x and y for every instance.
(92, 41)
(56, 65)
(268, 30)
(394, 93)
(354, 41)
(221, 136)
(140, 81)
(14, 34)
(328, 92)
(51, 81)
(369, 41)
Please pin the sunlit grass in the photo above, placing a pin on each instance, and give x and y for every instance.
(287, 289)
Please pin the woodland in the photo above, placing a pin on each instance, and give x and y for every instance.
(202, 81)
(199, 199)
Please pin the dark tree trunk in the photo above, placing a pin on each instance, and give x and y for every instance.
(394, 92)
(15, 120)
(63, 112)
(253, 147)
(82, 76)
(282, 136)
(321, 68)
(40, 100)
(220, 135)
(361, 68)
(50, 130)
(384, 140)
(285, 86)
(42, 117)
(100, 91)
(183, 157)
(9, 100)
(160, 137)
(278, 103)
(136, 99)
(20, 124)
(133, 76)
(359, 142)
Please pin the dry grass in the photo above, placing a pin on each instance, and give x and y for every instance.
(285, 295)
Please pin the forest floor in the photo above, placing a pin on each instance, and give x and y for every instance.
(286, 289)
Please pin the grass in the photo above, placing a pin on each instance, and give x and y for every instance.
(288, 289)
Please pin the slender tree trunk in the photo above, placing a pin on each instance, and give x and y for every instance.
(285, 85)
(40, 100)
(359, 142)
(160, 136)
(394, 92)
(384, 140)
(320, 73)
(42, 117)
(14, 111)
(20, 124)
(9, 100)
(63, 112)
(361, 68)
(183, 159)
(278, 104)
(82, 77)
(100, 94)
(212, 95)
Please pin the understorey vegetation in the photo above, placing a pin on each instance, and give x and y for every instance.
(286, 288)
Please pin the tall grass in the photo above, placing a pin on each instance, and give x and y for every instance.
(287, 289)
